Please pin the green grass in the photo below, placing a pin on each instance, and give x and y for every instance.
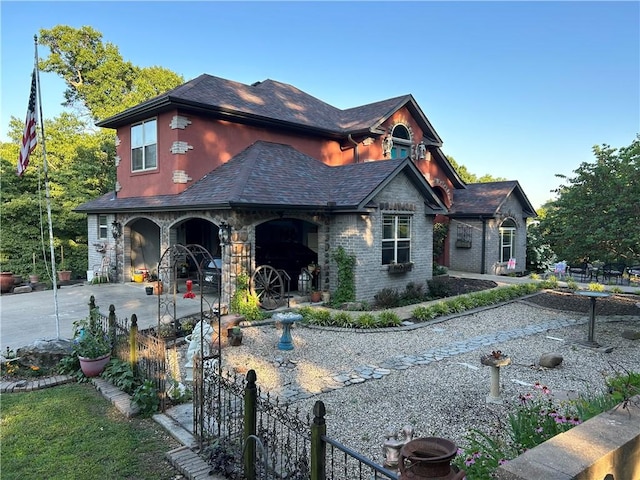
(71, 431)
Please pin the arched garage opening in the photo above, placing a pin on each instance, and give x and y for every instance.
(144, 250)
(198, 231)
(287, 244)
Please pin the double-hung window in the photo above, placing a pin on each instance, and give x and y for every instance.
(396, 239)
(507, 240)
(144, 146)
(103, 228)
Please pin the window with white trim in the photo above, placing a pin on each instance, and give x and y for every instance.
(103, 228)
(507, 240)
(144, 146)
(401, 142)
(396, 239)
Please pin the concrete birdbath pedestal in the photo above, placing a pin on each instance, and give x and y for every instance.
(287, 319)
(495, 360)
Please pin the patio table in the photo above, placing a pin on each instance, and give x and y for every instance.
(593, 296)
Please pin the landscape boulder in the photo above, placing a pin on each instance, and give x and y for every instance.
(550, 360)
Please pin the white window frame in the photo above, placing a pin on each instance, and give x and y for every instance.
(144, 137)
(507, 240)
(396, 238)
(103, 227)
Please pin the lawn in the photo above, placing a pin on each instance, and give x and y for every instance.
(71, 431)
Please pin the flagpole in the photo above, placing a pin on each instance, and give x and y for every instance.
(54, 273)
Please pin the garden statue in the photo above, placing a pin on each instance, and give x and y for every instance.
(204, 332)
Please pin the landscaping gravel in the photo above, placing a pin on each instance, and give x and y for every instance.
(446, 396)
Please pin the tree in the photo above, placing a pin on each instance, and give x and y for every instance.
(97, 76)
(596, 215)
(468, 177)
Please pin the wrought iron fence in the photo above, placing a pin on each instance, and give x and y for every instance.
(267, 439)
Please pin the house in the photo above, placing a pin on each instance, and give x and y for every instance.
(289, 179)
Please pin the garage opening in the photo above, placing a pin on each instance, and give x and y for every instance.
(287, 244)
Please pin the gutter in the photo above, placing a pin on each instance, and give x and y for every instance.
(484, 245)
(356, 154)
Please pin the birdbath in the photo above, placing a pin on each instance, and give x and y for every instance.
(287, 319)
(495, 360)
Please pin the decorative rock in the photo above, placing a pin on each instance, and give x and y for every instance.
(628, 334)
(550, 360)
(44, 353)
(23, 289)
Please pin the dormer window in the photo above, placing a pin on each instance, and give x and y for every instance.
(401, 142)
(144, 146)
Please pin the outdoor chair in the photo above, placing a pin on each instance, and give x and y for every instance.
(613, 271)
(102, 270)
(579, 269)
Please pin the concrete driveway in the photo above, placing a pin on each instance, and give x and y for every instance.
(27, 317)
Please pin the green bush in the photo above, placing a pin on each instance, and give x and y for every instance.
(145, 396)
(387, 298)
(243, 302)
(389, 319)
(366, 320)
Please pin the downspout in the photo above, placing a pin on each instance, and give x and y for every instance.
(356, 155)
(484, 245)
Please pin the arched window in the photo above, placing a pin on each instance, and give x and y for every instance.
(401, 142)
(507, 240)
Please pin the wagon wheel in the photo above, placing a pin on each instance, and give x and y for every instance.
(267, 285)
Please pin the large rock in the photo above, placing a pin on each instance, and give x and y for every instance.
(44, 353)
(550, 360)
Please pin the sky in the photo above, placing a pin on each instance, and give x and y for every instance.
(520, 90)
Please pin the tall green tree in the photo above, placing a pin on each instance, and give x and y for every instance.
(80, 157)
(597, 213)
(97, 76)
(468, 177)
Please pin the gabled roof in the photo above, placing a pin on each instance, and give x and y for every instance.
(273, 175)
(487, 199)
(273, 103)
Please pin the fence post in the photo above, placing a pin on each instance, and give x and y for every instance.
(133, 347)
(92, 305)
(112, 325)
(318, 445)
(250, 396)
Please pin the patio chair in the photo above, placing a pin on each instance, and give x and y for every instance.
(581, 269)
(613, 271)
(103, 269)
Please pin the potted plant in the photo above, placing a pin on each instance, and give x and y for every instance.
(315, 296)
(92, 346)
(63, 275)
(34, 277)
(235, 336)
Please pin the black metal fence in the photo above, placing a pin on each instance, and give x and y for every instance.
(266, 439)
(147, 353)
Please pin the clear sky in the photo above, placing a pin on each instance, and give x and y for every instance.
(521, 90)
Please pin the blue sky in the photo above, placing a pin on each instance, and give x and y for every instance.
(521, 90)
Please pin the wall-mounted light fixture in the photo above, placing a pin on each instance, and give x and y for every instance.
(116, 229)
(224, 233)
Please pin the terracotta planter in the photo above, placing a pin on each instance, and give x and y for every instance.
(64, 275)
(157, 288)
(315, 296)
(6, 282)
(34, 278)
(92, 367)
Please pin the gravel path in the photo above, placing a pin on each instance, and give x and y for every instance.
(446, 396)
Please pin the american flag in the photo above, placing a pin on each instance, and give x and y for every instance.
(29, 137)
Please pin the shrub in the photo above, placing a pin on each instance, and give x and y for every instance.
(342, 319)
(389, 319)
(145, 396)
(438, 288)
(572, 284)
(367, 320)
(121, 375)
(413, 293)
(423, 313)
(243, 301)
(387, 298)
(596, 287)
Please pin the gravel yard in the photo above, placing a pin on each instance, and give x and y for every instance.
(445, 395)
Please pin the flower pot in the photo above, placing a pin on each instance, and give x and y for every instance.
(315, 296)
(34, 278)
(6, 282)
(157, 288)
(64, 275)
(148, 290)
(92, 367)
(326, 297)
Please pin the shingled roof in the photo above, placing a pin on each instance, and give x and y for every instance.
(272, 102)
(273, 175)
(487, 199)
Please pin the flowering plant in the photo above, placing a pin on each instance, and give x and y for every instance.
(89, 340)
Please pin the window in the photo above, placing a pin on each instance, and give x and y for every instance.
(401, 142)
(396, 239)
(103, 228)
(507, 240)
(143, 146)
